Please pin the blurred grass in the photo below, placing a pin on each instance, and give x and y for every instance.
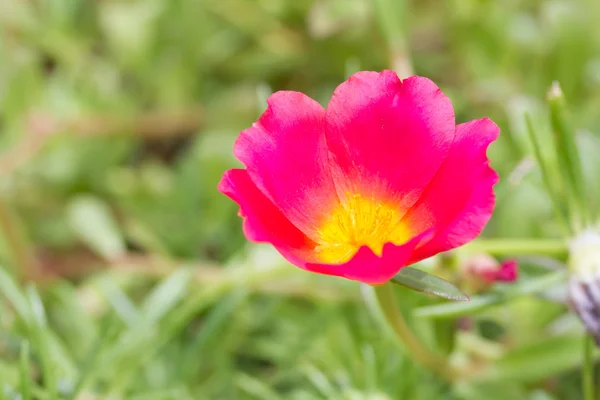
(125, 273)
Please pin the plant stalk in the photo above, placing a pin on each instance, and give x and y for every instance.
(503, 247)
(588, 369)
(413, 345)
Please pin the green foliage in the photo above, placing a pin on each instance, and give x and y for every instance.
(421, 281)
(125, 274)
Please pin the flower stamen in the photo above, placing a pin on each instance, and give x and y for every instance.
(359, 221)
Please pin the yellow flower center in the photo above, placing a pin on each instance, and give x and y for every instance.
(357, 222)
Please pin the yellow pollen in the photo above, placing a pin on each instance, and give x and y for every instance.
(357, 222)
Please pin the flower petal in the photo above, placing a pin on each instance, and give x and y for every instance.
(286, 156)
(388, 138)
(367, 267)
(459, 201)
(263, 222)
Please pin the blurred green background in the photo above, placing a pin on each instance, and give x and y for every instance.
(125, 274)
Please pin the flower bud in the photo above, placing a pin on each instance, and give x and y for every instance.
(482, 270)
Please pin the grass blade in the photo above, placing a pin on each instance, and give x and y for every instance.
(25, 371)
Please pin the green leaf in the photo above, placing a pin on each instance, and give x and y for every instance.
(545, 170)
(536, 361)
(484, 301)
(423, 282)
(93, 222)
(167, 295)
(41, 339)
(568, 157)
(25, 371)
(11, 291)
(490, 391)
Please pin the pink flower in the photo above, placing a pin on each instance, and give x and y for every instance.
(379, 180)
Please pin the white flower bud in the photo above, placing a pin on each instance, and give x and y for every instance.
(584, 255)
(584, 283)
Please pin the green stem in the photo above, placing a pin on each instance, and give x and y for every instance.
(415, 347)
(503, 247)
(588, 369)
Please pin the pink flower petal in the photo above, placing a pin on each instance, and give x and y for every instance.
(286, 156)
(459, 201)
(367, 267)
(263, 222)
(388, 138)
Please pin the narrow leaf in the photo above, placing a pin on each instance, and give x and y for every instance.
(549, 182)
(25, 371)
(568, 155)
(484, 301)
(11, 291)
(421, 281)
(536, 361)
(93, 222)
(166, 296)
